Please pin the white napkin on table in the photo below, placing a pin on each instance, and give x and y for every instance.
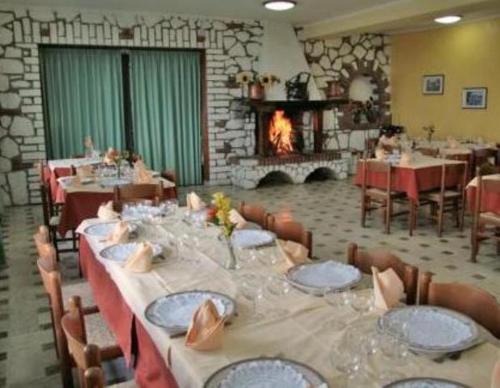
(106, 212)
(194, 202)
(388, 288)
(141, 260)
(236, 218)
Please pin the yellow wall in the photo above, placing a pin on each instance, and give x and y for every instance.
(469, 56)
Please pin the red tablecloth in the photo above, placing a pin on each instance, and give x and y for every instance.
(490, 202)
(409, 180)
(138, 348)
(54, 184)
(79, 206)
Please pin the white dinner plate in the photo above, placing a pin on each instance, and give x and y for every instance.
(112, 182)
(252, 238)
(315, 277)
(105, 229)
(266, 373)
(121, 252)
(425, 382)
(174, 312)
(431, 329)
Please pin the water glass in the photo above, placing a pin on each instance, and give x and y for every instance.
(362, 303)
(337, 299)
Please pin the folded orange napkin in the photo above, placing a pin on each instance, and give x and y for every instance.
(141, 260)
(495, 376)
(194, 202)
(106, 212)
(206, 330)
(237, 219)
(85, 171)
(379, 154)
(120, 233)
(109, 157)
(294, 253)
(406, 158)
(388, 288)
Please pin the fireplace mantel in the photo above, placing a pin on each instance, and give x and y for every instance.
(304, 106)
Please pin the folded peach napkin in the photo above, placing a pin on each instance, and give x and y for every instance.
(495, 377)
(76, 181)
(120, 233)
(109, 156)
(452, 142)
(294, 253)
(85, 171)
(237, 219)
(194, 202)
(379, 154)
(406, 159)
(141, 260)
(106, 212)
(206, 330)
(143, 176)
(388, 288)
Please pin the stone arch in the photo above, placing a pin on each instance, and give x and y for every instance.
(321, 174)
(275, 176)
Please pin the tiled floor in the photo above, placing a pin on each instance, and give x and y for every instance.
(329, 209)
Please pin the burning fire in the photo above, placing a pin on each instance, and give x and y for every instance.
(280, 133)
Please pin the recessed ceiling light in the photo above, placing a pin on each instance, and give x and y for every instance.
(450, 19)
(279, 5)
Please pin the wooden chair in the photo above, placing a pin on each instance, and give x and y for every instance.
(254, 213)
(427, 151)
(382, 260)
(451, 196)
(137, 193)
(474, 302)
(57, 293)
(290, 230)
(370, 146)
(84, 353)
(170, 175)
(481, 220)
(383, 197)
(94, 378)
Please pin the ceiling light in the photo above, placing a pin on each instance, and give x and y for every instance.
(448, 19)
(279, 5)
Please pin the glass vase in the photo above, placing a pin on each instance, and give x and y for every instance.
(231, 258)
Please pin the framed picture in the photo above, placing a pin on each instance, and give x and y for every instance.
(474, 98)
(433, 84)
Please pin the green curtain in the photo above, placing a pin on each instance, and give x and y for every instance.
(84, 96)
(166, 110)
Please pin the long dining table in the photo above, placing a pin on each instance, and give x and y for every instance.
(291, 326)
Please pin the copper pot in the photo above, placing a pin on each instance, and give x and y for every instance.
(334, 89)
(256, 91)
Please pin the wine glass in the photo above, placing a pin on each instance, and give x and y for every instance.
(361, 302)
(335, 297)
(251, 289)
(277, 288)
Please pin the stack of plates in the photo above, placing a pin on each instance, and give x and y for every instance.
(266, 373)
(174, 312)
(252, 238)
(316, 277)
(431, 330)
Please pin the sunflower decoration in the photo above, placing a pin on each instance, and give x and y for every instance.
(267, 80)
(244, 78)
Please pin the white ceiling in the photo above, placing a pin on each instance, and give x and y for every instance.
(306, 11)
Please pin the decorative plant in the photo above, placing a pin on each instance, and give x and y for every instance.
(267, 80)
(429, 130)
(222, 205)
(116, 157)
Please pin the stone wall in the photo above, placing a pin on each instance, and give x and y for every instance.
(230, 46)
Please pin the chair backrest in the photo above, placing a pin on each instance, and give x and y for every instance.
(482, 155)
(137, 192)
(84, 355)
(254, 213)
(370, 146)
(379, 167)
(290, 230)
(42, 241)
(169, 175)
(428, 151)
(474, 302)
(382, 260)
(454, 176)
